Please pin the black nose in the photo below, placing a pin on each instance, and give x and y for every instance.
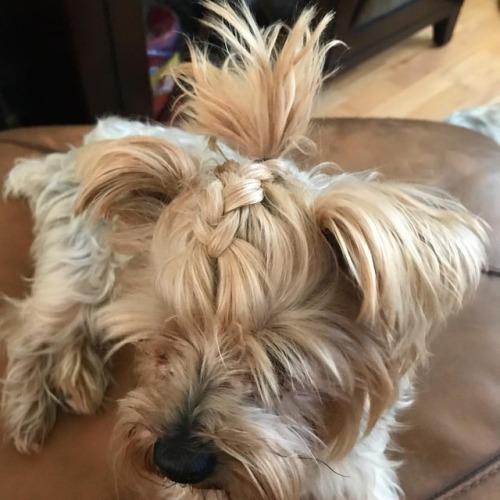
(183, 463)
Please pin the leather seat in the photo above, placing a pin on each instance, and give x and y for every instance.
(450, 442)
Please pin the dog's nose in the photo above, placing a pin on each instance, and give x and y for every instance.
(183, 464)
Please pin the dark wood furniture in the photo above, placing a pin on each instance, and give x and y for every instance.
(109, 41)
(39, 82)
(365, 38)
(70, 61)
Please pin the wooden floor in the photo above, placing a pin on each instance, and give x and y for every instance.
(414, 79)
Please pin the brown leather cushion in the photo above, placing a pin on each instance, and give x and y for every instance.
(453, 431)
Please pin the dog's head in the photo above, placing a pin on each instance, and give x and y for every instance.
(274, 312)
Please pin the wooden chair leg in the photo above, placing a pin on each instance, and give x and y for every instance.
(443, 30)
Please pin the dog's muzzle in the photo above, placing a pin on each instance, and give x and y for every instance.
(189, 463)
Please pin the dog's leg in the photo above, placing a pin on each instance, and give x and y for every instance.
(361, 480)
(366, 473)
(54, 357)
(52, 362)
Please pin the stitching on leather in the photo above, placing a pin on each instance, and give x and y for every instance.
(485, 473)
(474, 484)
(491, 271)
(28, 145)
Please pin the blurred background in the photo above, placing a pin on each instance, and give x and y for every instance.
(70, 61)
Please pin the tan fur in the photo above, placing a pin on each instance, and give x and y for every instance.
(281, 313)
(259, 102)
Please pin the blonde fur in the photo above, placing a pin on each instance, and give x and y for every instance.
(277, 315)
(259, 102)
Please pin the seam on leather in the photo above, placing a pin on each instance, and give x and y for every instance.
(470, 481)
(28, 145)
(491, 271)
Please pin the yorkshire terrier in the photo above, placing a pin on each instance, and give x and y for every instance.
(277, 314)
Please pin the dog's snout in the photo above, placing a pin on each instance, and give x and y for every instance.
(189, 463)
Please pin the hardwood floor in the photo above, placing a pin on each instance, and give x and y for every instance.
(415, 79)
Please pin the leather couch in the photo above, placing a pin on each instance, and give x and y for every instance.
(450, 441)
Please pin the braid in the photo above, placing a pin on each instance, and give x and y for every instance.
(234, 188)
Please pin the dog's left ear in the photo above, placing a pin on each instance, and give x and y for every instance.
(130, 180)
(412, 252)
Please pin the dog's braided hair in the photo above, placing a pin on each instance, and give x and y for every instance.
(234, 188)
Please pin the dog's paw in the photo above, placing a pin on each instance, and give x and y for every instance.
(29, 435)
(81, 379)
(28, 413)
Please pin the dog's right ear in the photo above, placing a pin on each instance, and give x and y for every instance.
(130, 180)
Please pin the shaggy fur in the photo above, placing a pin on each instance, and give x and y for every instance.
(277, 314)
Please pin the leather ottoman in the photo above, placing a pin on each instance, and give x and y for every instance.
(450, 440)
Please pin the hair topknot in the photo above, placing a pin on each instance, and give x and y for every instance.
(259, 101)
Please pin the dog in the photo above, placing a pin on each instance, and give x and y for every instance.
(277, 315)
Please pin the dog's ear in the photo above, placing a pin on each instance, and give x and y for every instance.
(408, 256)
(259, 101)
(130, 180)
(412, 252)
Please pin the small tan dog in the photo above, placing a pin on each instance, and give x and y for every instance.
(277, 314)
